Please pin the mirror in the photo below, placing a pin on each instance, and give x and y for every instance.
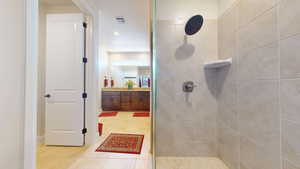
(194, 24)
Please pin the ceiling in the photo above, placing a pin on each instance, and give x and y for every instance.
(133, 34)
(183, 9)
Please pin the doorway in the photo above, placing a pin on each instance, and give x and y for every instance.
(65, 156)
(125, 82)
(64, 40)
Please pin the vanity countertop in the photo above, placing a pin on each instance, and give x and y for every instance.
(125, 89)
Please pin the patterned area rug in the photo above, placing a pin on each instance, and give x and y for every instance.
(122, 143)
(108, 114)
(141, 114)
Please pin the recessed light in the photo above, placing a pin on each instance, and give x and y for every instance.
(116, 33)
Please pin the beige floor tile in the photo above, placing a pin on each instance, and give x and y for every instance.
(95, 163)
(50, 157)
(143, 164)
(189, 163)
(86, 157)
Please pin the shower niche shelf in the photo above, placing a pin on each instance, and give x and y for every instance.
(218, 64)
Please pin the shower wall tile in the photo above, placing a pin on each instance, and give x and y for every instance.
(251, 9)
(261, 63)
(258, 111)
(227, 30)
(290, 142)
(262, 31)
(228, 46)
(230, 19)
(289, 57)
(235, 111)
(228, 134)
(257, 156)
(289, 165)
(290, 96)
(186, 123)
(229, 146)
(227, 96)
(289, 20)
(259, 108)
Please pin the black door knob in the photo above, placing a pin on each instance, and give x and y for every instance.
(47, 96)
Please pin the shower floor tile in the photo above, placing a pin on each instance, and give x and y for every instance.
(189, 163)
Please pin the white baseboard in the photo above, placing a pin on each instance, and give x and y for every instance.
(40, 140)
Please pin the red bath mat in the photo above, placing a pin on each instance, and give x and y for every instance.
(122, 143)
(141, 114)
(108, 114)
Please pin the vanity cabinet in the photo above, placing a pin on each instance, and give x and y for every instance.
(111, 101)
(126, 100)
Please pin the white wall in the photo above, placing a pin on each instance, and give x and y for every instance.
(12, 72)
(104, 68)
(129, 58)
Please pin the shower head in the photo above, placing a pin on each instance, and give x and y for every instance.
(194, 24)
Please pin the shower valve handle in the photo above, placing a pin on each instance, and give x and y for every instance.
(188, 86)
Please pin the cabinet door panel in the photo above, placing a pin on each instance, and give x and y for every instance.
(125, 101)
(116, 102)
(145, 101)
(135, 101)
(111, 101)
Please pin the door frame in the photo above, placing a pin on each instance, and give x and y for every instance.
(31, 78)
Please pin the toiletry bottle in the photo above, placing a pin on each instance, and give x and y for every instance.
(149, 82)
(105, 82)
(112, 82)
(140, 82)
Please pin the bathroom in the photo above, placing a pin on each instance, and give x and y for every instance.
(225, 86)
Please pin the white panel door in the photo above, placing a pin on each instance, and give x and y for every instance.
(64, 80)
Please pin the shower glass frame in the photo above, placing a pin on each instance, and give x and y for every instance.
(154, 71)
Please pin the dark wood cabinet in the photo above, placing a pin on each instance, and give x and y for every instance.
(111, 100)
(140, 100)
(126, 100)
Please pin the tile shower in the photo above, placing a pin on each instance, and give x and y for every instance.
(246, 114)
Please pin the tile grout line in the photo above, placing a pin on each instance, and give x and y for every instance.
(279, 84)
(251, 21)
(237, 86)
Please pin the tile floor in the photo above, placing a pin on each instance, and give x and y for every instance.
(189, 163)
(51, 157)
(87, 158)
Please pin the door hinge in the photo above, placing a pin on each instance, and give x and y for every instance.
(84, 131)
(84, 95)
(84, 60)
(84, 24)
